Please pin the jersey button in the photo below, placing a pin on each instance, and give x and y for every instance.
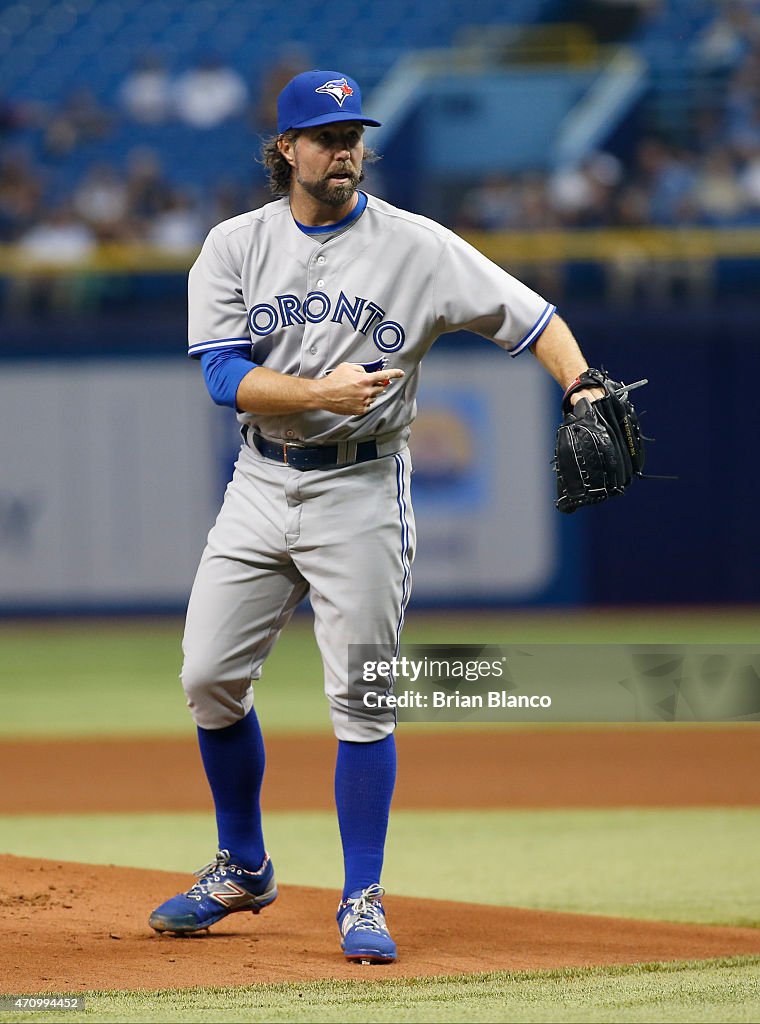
(320, 259)
(313, 350)
(320, 284)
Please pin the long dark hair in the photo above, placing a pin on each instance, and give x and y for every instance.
(280, 171)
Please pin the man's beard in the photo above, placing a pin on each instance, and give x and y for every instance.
(329, 194)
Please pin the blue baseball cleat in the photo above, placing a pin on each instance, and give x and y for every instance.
(222, 888)
(365, 935)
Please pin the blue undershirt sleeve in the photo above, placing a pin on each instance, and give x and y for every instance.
(223, 369)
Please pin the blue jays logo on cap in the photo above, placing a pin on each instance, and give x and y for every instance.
(338, 89)
(320, 97)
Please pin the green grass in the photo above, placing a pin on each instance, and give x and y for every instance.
(105, 678)
(95, 678)
(84, 679)
(695, 865)
(713, 990)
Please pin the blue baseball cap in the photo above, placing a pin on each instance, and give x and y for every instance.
(320, 97)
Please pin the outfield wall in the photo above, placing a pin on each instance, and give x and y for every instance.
(114, 461)
(113, 469)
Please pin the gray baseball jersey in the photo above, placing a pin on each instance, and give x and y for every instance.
(385, 288)
(378, 293)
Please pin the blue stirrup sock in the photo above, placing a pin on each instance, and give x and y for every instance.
(234, 761)
(365, 775)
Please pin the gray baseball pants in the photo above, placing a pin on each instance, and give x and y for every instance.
(345, 536)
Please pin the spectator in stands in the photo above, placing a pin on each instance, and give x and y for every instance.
(582, 196)
(742, 94)
(146, 93)
(493, 205)
(504, 203)
(59, 238)
(292, 60)
(667, 175)
(101, 200)
(630, 207)
(728, 38)
(210, 94)
(227, 200)
(58, 242)
(749, 182)
(718, 196)
(81, 119)
(708, 128)
(13, 116)
(21, 191)
(536, 211)
(744, 136)
(148, 192)
(179, 227)
(231, 198)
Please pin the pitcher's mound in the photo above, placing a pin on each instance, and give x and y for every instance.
(72, 927)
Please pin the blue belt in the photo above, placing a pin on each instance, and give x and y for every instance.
(301, 456)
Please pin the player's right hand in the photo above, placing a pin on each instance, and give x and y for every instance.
(350, 391)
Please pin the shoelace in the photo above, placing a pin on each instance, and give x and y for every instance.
(369, 915)
(211, 872)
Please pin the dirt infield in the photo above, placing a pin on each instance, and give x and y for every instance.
(74, 927)
(620, 767)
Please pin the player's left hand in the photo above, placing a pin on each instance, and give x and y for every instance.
(599, 445)
(591, 394)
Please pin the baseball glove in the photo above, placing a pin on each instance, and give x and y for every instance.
(600, 448)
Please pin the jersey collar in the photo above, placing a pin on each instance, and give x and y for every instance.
(332, 229)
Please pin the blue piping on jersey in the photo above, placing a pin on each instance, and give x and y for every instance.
(357, 211)
(407, 578)
(548, 312)
(208, 346)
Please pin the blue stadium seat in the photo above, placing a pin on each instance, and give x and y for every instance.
(48, 50)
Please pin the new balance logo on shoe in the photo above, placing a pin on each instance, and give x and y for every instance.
(215, 895)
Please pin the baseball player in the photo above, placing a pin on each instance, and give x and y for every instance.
(310, 317)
